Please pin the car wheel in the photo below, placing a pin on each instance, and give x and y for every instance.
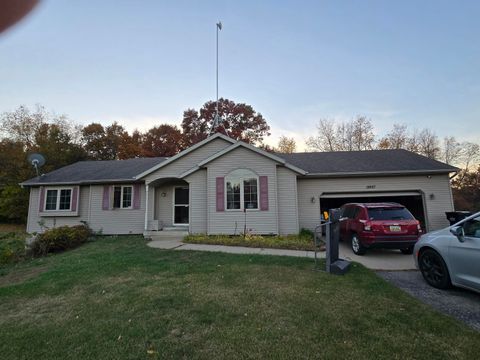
(407, 251)
(434, 269)
(357, 247)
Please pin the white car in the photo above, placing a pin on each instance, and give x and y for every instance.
(451, 256)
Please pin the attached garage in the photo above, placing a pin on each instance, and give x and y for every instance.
(412, 200)
(335, 178)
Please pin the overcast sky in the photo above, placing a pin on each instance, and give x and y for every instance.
(143, 63)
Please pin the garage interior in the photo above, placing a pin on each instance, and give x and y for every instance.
(413, 201)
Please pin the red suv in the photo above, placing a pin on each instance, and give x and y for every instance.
(379, 225)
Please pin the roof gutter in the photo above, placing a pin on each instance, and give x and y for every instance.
(385, 173)
(83, 182)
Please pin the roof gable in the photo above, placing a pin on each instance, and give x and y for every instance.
(185, 152)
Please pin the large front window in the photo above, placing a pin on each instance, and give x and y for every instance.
(58, 199)
(241, 190)
(122, 197)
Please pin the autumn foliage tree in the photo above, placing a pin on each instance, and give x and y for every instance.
(286, 145)
(163, 140)
(239, 121)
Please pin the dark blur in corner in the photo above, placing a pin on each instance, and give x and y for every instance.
(12, 11)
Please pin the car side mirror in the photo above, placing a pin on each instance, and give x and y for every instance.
(458, 232)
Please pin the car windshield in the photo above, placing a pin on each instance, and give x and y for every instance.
(389, 214)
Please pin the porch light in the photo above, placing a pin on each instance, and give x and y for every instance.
(163, 194)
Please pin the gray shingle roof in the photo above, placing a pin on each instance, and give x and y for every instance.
(97, 171)
(371, 161)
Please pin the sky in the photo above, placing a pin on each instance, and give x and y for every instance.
(142, 63)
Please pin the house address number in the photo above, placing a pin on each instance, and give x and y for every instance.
(371, 186)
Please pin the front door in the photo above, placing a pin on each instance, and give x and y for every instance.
(180, 205)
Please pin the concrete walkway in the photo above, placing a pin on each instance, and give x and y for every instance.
(179, 245)
(375, 259)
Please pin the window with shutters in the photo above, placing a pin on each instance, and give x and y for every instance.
(59, 199)
(122, 197)
(241, 190)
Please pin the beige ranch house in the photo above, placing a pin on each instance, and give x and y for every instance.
(222, 186)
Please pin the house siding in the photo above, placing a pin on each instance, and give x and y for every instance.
(116, 221)
(439, 185)
(287, 201)
(198, 201)
(34, 216)
(185, 163)
(231, 222)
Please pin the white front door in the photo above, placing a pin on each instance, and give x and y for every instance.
(180, 205)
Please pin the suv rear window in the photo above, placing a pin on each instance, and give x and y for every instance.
(389, 214)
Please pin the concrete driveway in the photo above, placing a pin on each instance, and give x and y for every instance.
(461, 304)
(379, 259)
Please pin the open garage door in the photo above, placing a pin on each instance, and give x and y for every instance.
(412, 200)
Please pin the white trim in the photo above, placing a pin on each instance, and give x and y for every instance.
(174, 205)
(254, 149)
(183, 153)
(146, 207)
(379, 173)
(242, 192)
(57, 204)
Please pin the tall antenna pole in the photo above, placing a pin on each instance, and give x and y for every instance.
(216, 120)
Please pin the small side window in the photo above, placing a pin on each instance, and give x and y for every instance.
(472, 228)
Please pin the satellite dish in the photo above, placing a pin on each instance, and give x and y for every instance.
(36, 160)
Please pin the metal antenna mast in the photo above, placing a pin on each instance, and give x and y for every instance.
(216, 121)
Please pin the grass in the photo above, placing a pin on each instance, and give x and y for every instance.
(292, 242)
(12, 243)
(115, 298)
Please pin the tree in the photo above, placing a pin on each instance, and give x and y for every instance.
(286, 145)
(131, 145)
(452, 150)
(356, 134)
(428, 144)
(103, 143)
(163, 140)
(466, 190)
(397, 138)
(326, 136)
(239, 121)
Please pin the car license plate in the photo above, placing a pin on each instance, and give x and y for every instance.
(395, 228)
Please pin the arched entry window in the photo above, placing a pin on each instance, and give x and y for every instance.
(241, 190)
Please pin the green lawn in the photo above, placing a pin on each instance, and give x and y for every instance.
(115, 298)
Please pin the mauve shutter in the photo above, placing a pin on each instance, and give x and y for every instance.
(220, 194)
(74, 198)
(136, 196)
(41, 201)
(106, 198)
(263, 193)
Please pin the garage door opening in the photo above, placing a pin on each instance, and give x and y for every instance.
(412, 201)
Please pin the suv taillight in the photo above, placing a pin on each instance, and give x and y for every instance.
(419, 228)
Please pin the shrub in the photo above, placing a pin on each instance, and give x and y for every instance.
(60, 239)
(12, 248)
(306, 233)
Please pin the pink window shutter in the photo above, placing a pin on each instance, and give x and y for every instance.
(136, 196)
(220, 194)
(106, 198)
(41, 201)
(74, 198)
(263, 193)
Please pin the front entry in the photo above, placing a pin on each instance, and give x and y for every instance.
(180, 205)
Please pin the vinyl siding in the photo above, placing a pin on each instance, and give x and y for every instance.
(188, 161)
(34, 216)
(230, 222)
(287, 201)
(439, 185)
(198, 201)
(116, 221)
